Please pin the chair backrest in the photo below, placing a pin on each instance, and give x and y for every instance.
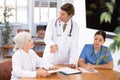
(40, 33)
(5, 69)
(20, 30)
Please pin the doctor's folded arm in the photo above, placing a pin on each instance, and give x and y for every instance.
(62, 43)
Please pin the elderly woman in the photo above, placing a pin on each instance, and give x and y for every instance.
(25, 60)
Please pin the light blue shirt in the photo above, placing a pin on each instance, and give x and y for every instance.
(90, 57)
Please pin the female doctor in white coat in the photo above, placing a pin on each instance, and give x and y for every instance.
(62, 46)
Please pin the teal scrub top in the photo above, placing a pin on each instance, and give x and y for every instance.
(102, 57)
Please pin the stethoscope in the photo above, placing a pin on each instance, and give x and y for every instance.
(60, 25)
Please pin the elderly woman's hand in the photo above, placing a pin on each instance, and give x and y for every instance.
(42, 73)
(53, 68)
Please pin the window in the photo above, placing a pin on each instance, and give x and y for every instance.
(44, 10)
(1, 6)
(19, 12)
(12, 3)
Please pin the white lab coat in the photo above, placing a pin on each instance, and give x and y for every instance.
(24, 65)
(67, 46)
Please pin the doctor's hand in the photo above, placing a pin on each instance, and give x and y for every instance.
(71, 65)
(53, 48)
(53, 68)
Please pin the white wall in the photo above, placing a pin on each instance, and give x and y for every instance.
(85, 34)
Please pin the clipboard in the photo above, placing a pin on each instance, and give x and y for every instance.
(69, 71)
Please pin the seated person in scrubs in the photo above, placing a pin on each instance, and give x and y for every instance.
(96, 55)
(25, 62)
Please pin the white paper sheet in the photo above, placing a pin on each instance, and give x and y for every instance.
(86, 71)
(66, 71)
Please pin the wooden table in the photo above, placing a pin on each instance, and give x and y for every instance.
(102, 75)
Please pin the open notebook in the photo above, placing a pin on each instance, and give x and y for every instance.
(66, 71)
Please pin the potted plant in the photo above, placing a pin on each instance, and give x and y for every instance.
(7, 27)
(106, 17)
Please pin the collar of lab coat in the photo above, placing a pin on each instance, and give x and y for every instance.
(66, 23)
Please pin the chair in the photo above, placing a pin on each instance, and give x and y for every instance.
(39, 48)
(20, 30)
(5, 69)
(7, 51)
(40, 33)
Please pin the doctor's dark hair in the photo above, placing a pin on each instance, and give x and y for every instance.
(102, 33)
(69, 8)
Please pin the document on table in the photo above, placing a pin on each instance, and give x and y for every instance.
(86, 71)
(53, 71)
(66, 71)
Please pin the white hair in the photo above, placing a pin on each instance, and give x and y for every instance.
(20, 39)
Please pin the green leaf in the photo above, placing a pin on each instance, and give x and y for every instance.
(117, 30)
(105, 17)
(108, 18)
(105, 58)
(117, 38)
(110, 6)
(112, 47)
(116, 44)
(102, 17)
(119, 62)
(113, 1)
